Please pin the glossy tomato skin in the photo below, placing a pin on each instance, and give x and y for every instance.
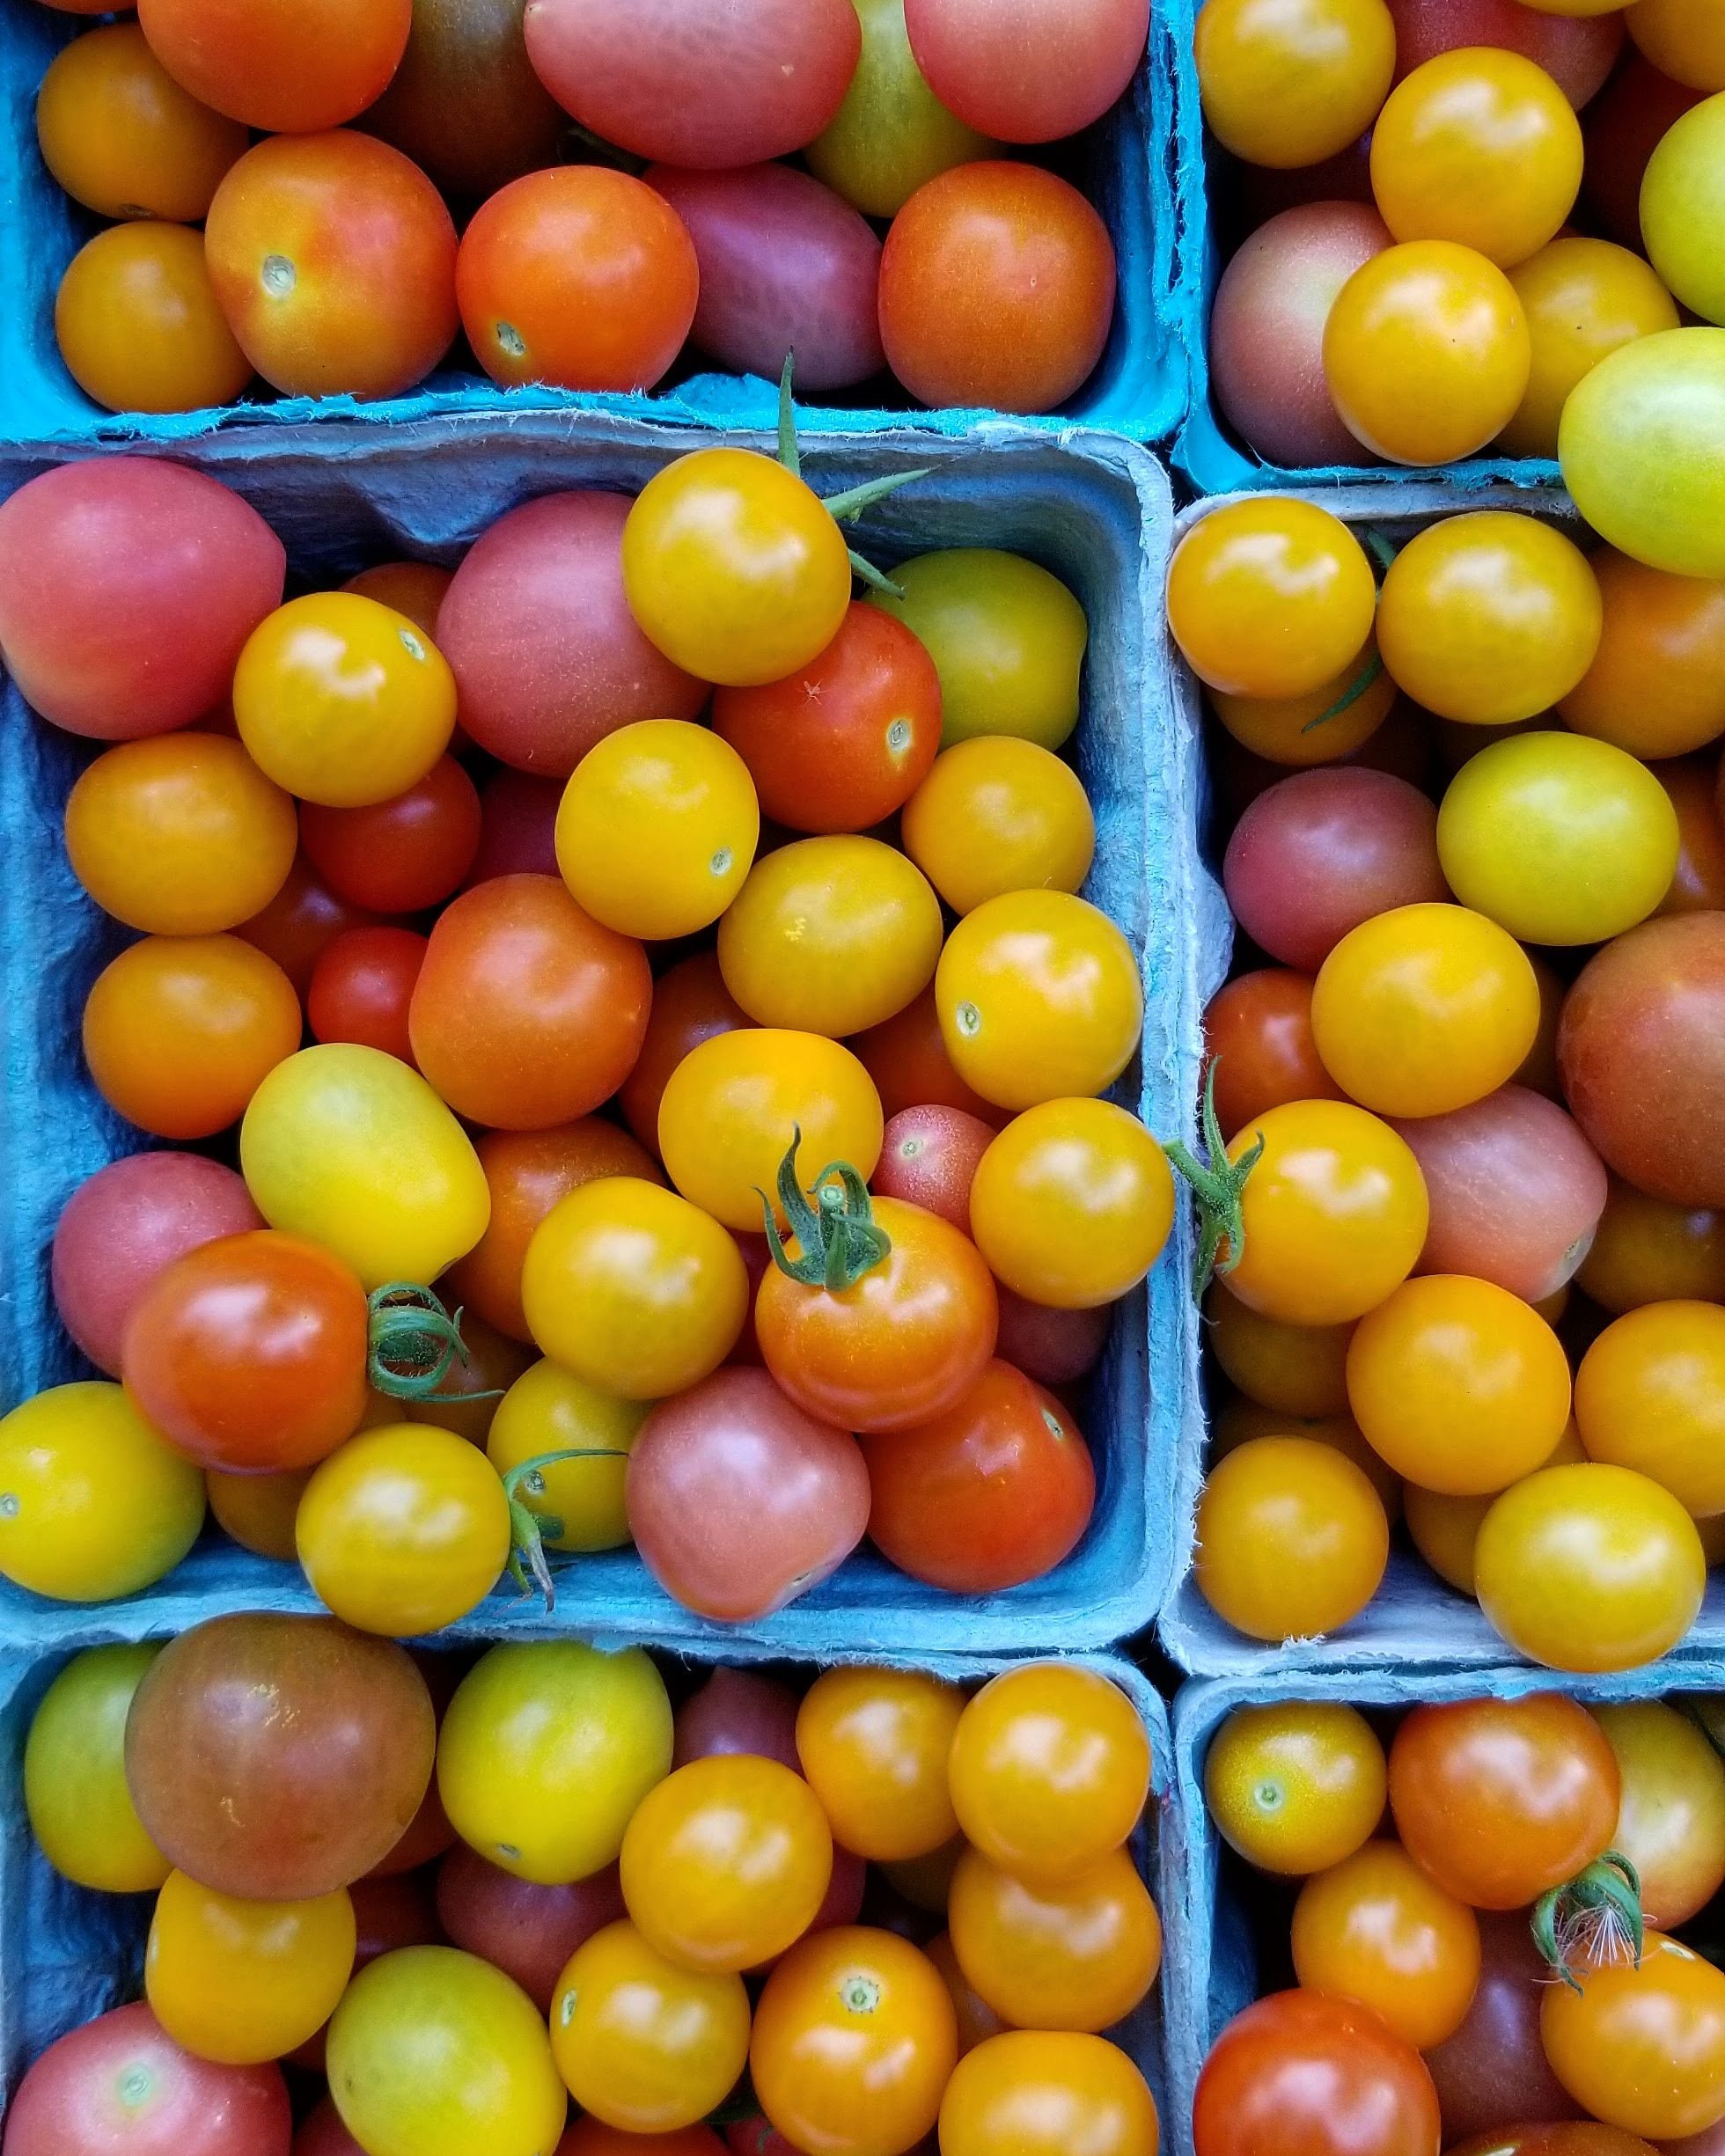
(527, 1931)
(300, 922)
(1302, 2075)
(691, 1003)
(1292, 1539)
(1647, 1398)
(1080, 62)
(361, 989)
(1648, 1252)
(75, 1790)
(122, 137)
(314, 241)
(1270, 598)
(1492, 2074)
(1039, 2094)
(996, 288)
(1612, 444)
(403, 855)
(1643, 2044)
(281, 66)
(1654, 684)
(1078, 1955)
(642, 2042)
(1698, 884)
(1671, 1814)
(1257, 1041)
(1296, 1788)
(1054, 1346)
(1000, 814)
(1292, 87)
(1576, 51)
(906, 1058)
(1378, 1929)
(465, 104)
(138, 326)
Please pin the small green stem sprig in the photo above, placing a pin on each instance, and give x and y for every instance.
(842, 506)
(838, 1235)
(1594, 1917)
(528, 1529)
(413, 1344)
(1217, 1184)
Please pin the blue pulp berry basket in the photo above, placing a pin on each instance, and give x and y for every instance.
(68, 1954)
(1139, 388)
(1211, 1972)
(1206, 449)
(1096, 510)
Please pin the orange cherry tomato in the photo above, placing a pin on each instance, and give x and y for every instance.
(1650, 1394)
(1257, 1041)
(1270, 598)
(1697, 886)
(1034, 2093)
(138, 324)
(1656, 685)
(691, 1003)
(1378, 1929)
(122, 137)
(977, 2020)
(1292, 1539)
(874, 1744)
(1080, 1955)
(643, 2043)
(259, 1510)
(998, 814)
(415, 589)
(1324, 725)
(906, 1058)
(1642, 2044)
(287, 65)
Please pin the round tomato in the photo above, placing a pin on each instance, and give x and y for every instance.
(1080, 1955)
(138, 325)
(643, 2043)
(891, 132)
(1377, 1928)
(1697, 886)
(1270, 598)
(1329, 723)
(1292, 1539)
(1257, 1041)
(1290, 86)
(907, 1061)
(1637, 448)
(1299, 1370)
(1583, 299)
(578, 1503)
(281, 64)
(1027, 2092)
(1493, 2072)
(1642, 2044)
(1311, 2076)
(405, 853)
(1685, 43)
(929, 1157)
(997, 815)
(465, 104)
(258, 1511)
(75, 1791)
(1681, 185)
(1297, 1788)
(874, 1744)
(122, 137)
(415, 589)
(361, 989)
(300, 922)
(241, 1981)
(1648, 1252)
(1649, 1396)
(1670, 1822)
(1653, 687)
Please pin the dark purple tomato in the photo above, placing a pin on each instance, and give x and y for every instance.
(128, 586)
(735, 1711)
(738, 1501)
(1623, 130)
(528, 1931)
(1641, 1050)
(929, 1158)
(1266, 330)
(684, 82)
(546, 653)
(517, 824)
(1493, 2072)
(1055, 1347)
(1516, 1191)
(278, 1757)
(1577, 51)
(1321, 850)
(323, 2134)
(465, 104)
(127, 1224)
(786, 266)
(1028, 70)
(120, 2086)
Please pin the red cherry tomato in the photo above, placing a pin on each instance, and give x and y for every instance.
(402, 855)
(291, 66)
(300, 922)
(1304, 2075)
(361, 985)
(527, 1931)
(1257, 1040)
(691, 1003)
(518, 827)
(1030, 72)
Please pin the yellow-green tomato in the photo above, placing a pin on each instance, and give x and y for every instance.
(348, 1146)
(578, 1503)
(1007, 639)
(92, 1502)
(433, 2052)
(1683, 208)
(75, 1791)
(891, 132)
(1558, 838)
(403, 1530)
(545, 1750)
(1642, 447)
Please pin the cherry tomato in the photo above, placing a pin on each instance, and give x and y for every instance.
(547, 1409)
(80, 1810)
(1378, 1929)
(1445, 326)
(1257, 1041)
(1295, 1787)
(259, 1511)
(854, 2041)
(846, 740)
(1303, 730)
(1311, 2076)
(300, 922)
(1583, 299)
(1697, 886)
(527, 1012)
(465, 104)
(138, 323)
(1671, 1820)
(281, 65)
(1079, 1954)
(415, 589)
(998, 815)
(996, 1491)
(1007, 638)
(691, 1003)
(996, 288)
(643, 2043)
(1036, 2093)
(726, 1863)
(1493, 2072)
(974, 57)
(737, 1711)
(1614, 446)
(875, 1744)
(466, 1398)
(929, 1158)
(731, 1107)
(1687, 43)
(1292, 1539)
(241, 1981)
(122, 137)
(1647, 1397)
(363, 987)
(907, 1061)
(1335, 1214)
(402, 855)
(1648, 1252)
(333, 258)
(590, 2137)
(734, 568)
(1270, 598)
(431, 2050)
(528, 1931)
(1299, 1370)
(1642, 2044)
(1680, 183)
(891, 132)
(1292, 85)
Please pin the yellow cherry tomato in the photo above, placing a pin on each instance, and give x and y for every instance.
(1287, 86)
(1672, 1812)
(1378, 1929)
(1558, 838)
(94, 1504)
(350, 1147)
(657, 828)
(1683, 38)
(1291, 1370)
(1646, 1250)
(1445, 1529)
(1424, 1009)
(830, 935)
(734, 567)
(1589, 1567)
(75, 1788)
(733, 1104)
(242, 1982)
(1683, 196)
(432, 2053)
(1007, 638)
(1583, 299)
(726, 1863)
(1650, 1394)
(642, 2042)
(343, 701)
(1039, 2093)
(1079, 1954)
(633, 1288)
(180, 834)
(1489, 617)
(1642, 447)
(1072, 1204)
(1049, 1770)
(997, 814)
(1292, 1539)
(1295, 1787)
(1478, 146)
(122, 137)
(874, 1744)
(1040, 998)
(1427, 352)
(139, 325)
(1294, 730)
(1237, 1422)
(1269, 598)
(545, 1750)
(579, 1503)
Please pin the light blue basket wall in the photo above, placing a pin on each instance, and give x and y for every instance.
(1096, 510)
(1414, 1618)
(1206, 449)
(67, 1954)
(1210, 1974)
(1139, 388)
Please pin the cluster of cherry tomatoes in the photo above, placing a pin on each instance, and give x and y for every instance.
(465, 1893)
(789, 1244)
(1434, 252)
(1493, 1966)
(1469, 1082)
(329, 261)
